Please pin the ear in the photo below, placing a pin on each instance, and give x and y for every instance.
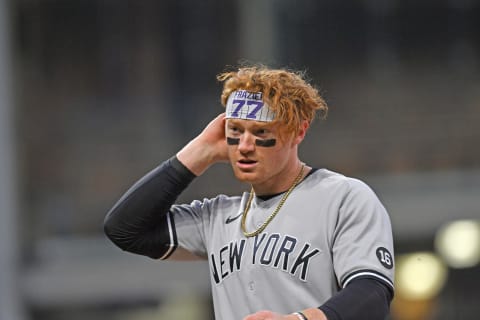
(302, 131)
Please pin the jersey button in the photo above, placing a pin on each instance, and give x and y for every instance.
(251, 286)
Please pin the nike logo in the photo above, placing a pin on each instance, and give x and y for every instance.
(230, 219)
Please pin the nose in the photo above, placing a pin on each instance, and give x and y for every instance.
(247, 143)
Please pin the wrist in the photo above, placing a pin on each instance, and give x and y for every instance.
(309, 314)
(300, 315)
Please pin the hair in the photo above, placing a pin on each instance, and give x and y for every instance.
(286, 92)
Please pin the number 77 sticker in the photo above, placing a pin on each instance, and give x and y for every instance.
(248, 109)
(251, 113)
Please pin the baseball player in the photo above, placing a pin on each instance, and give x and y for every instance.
(302, 243)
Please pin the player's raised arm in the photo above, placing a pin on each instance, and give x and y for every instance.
(138, 222)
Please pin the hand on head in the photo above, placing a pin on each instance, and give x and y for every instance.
(207, 148)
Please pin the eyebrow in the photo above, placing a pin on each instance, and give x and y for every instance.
(253, 126)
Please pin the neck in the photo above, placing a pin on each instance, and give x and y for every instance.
(286, 177)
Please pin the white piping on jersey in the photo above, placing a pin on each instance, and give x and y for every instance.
(172, 244)
(367, 273)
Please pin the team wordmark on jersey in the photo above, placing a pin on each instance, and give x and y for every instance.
(275, 251)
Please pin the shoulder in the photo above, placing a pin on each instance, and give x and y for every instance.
(334, 179)
(207, 209)
(219, 201)
(341, 187)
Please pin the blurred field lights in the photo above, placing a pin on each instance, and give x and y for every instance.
(458, 243)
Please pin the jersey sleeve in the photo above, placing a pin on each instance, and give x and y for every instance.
(363, 241)
(199, 223)
(189, 225)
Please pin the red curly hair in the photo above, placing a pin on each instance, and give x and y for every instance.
(286, 92)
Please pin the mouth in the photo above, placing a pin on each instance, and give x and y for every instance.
(246, 163)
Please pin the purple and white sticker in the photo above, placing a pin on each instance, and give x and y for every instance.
(248, 105)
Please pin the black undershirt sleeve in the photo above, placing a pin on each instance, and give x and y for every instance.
(137, 222)
(362, 299)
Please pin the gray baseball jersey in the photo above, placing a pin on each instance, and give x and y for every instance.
(332, 229)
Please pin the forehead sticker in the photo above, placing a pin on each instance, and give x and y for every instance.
(248, 105)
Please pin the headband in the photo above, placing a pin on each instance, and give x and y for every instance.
(242, 104)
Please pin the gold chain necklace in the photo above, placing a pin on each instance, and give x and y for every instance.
(274, 213)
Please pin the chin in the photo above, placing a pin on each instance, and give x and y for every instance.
(243, 176)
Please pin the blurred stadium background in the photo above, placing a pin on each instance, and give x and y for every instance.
(93, 94)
